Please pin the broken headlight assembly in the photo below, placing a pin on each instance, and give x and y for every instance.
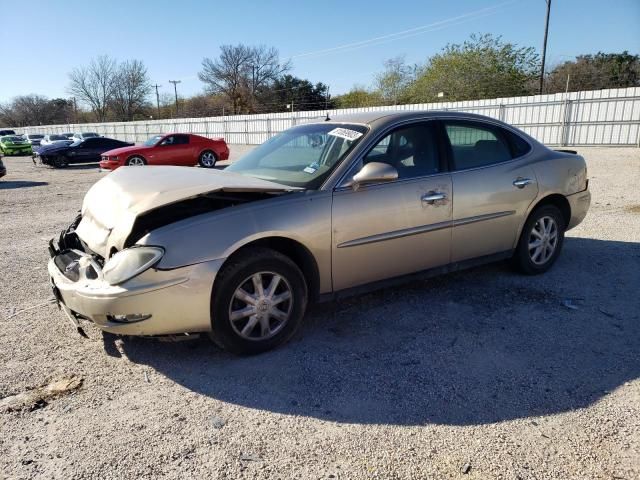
(130, 262)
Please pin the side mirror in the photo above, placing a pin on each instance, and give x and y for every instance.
(374, 172)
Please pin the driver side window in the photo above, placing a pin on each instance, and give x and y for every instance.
(412, 150)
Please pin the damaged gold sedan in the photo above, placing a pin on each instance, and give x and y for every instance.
(319, 209)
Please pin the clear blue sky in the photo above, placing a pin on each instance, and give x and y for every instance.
(43, 40)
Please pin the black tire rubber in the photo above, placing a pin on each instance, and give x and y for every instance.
(214, 156)
(521, 260)
(135, 156)
(230, 277)
(60, 161)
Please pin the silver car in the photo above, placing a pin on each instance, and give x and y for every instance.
(319, 209)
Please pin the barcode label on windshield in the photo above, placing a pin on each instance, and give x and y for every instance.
(345, 133)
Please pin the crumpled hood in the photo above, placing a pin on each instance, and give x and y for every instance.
(112, 205)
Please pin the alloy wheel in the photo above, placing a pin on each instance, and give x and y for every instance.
(261, 306)
(136, 162)
(208, 159)
(543, 240)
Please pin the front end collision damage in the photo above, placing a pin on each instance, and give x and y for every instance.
(144, 304)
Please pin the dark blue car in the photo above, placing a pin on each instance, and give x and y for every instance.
(61, 154)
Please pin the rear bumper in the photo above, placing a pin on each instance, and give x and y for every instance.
(175, 301)
(579, 203)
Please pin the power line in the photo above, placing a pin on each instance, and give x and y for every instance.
(412, 31)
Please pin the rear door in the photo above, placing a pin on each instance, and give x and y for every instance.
(394, 228)
(493, 185)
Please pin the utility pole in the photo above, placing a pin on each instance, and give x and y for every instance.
(157, 98)
(544, 44)
(175, 89)
(326, 102)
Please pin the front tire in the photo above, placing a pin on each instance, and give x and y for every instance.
(258, 302)
(207, 159)
(60, 161)
(541, 241)
(136, 161)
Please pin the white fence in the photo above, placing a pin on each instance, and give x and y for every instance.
(598, 117)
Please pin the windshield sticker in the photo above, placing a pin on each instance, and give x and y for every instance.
(312, 168)
(345, 133)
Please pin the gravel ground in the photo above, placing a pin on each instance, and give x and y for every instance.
(478, 374)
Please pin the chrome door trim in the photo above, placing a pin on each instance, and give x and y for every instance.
(405, 232)
(482, 218)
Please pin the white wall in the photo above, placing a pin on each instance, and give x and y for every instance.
(598, 117)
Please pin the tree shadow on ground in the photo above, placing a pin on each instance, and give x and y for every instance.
(470, 348)
(13, 184)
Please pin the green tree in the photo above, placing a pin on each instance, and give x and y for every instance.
(359, 96)
(482, 67)
(290, 90)
(595, 72)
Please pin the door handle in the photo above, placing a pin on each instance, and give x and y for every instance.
(521, 182)
(433, 197)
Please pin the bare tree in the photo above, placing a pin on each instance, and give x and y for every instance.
(95, 84)
(395, 78)
(35, 110)
(131, 89)
(264, 68)
(240, 72)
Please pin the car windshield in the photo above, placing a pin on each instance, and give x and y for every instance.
(57, 137)
(35, 137)
(152, 141)
(89, 134)
(302, 156)
(13, 139)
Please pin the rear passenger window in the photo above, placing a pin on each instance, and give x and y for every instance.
(518, 146)
(474, 145)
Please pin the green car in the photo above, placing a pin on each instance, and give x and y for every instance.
(14, 145)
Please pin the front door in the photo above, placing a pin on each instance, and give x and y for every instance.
(174, 150)
(394, 228)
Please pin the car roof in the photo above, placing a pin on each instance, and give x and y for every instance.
(390, 116)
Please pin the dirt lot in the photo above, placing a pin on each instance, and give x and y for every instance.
(484, 371)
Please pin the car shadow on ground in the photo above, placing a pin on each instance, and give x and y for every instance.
(12, 184)
(469, 348)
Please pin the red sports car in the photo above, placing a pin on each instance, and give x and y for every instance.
(182, 149)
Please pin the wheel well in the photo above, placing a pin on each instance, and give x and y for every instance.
(208, 150)
(297, 252)
(135, 155)
(561, 203)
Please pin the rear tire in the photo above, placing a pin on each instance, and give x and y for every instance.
(60, 161)
(541, 241)
(258, 302)
(208, 159)
(136, 161)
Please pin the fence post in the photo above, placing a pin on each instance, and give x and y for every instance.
(246, 131)
(501, 110)
(566, 123)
